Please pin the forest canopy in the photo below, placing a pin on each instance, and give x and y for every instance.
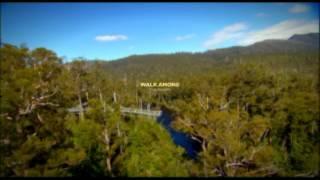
(252, 114)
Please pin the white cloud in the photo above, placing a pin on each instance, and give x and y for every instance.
(282, 30)
(184, 37)
(106, 38)
(233, 31)
(299, 8)
(240, 34)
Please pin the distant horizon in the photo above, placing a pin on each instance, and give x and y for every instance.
(169, 53)
(113, 31)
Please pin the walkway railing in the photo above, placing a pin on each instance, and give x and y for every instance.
(125, 110)
(140, 111)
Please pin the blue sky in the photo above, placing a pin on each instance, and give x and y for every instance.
(110, 30)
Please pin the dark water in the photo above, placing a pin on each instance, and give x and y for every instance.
(191, 146)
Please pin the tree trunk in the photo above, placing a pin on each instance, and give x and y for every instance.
(80, 106)
(109, 168)
(118, 129)
(114, 97)
(119, 135)
(102, 102)
(137, 99)
(106, 136)
(107, 142)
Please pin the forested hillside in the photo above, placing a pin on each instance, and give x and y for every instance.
(218, 58)
(253, 114)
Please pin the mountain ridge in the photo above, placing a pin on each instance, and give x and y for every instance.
(295, 43)
(153, 63)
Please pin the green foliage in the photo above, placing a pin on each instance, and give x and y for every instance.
(85, 133)
(254, 115)
(151, 152)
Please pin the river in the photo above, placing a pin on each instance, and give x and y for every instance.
(191, 146)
